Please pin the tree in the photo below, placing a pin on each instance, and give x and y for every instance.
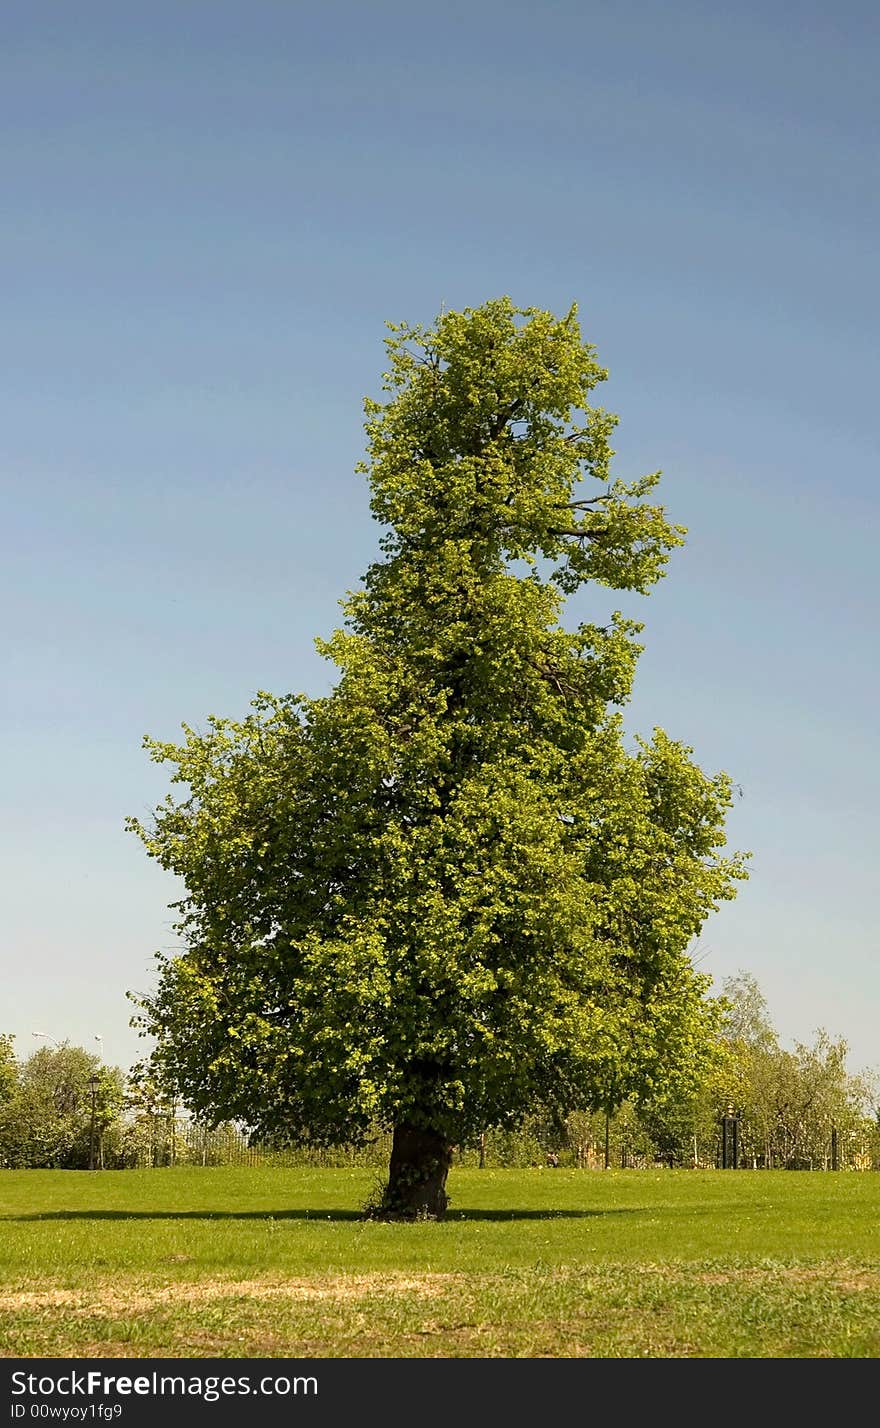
(747, 1017)
(447, 892)
(46, 1122)
(790, 1102)
(750, 1074)
(8, 1068)
(153, 1121)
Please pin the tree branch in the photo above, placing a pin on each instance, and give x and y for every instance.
(591, 501)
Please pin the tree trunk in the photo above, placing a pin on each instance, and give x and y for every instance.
(420, 1161)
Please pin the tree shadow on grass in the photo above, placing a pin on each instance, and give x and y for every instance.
(452, 1216)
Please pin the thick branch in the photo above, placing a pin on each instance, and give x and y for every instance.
(591, 501)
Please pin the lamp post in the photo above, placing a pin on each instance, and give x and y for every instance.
(100, 1138)
(94, 1082)
(100, 1040)
(46, 1037)
(730, 1140)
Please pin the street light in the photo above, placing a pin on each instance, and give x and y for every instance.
(100, 1040)
(94, 1082)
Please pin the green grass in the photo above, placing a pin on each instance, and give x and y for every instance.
(268, 1262)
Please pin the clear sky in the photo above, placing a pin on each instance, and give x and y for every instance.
(209, 210)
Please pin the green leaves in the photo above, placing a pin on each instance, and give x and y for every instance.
(485, 440)
(446, 892)
(47, 1104)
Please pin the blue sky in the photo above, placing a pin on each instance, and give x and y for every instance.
(210, 210)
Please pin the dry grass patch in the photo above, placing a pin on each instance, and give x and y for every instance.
(140, 1299)
(831, 1276)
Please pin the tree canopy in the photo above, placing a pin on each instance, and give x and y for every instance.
(47, 1105)
(449, 890)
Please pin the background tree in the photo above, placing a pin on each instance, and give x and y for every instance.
(872, 1134)
(8, 1068)
(815, 1096)
(747, 1016)
(156, 1135)
(788, 1101)
(748, 1081)
(448, 893)
(46, 1123)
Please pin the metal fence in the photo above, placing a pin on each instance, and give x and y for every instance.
(162, 1140)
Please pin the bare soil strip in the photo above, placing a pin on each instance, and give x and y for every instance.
(115, 1298)
(141, 1299)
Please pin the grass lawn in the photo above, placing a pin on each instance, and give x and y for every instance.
(277, 1263)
